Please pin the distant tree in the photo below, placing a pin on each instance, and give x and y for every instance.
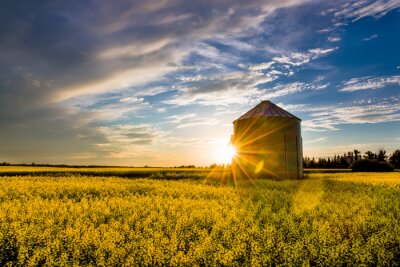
(350, 157)
(357, 154)
(381, 156)
(369, 155)
(329, 164)
(366, 165)
(336, 161)
(312, 163)
(343, 162)
(306, 162)
(394, 159)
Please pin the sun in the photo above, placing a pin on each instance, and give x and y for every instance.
(226, 153)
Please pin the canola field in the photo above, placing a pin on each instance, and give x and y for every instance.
(325, 219)
(153, 173)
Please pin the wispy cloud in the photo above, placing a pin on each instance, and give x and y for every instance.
(197, 121)
(369, 83)
(316, 140)
(128, 134)
(369, 38)
(261, 66)
(292, 88)
(298, 59)
(131, 100)
(190, 120)
(219, 89)
(330, 117)
(333, 39)
(227, 86)
(351, 11)
(120, 79)
(106, 108)
(181, 117)
(128, 141)
(286, 62)
(358, 9)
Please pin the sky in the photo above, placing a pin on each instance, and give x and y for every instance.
(160, 82)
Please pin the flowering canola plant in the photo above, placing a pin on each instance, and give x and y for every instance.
(325, 219)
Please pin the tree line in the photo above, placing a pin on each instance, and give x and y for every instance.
(348, 159)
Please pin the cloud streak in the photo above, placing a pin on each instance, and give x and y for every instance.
(357, 9)
(330, 117)
(292, 88)
(298, 59)
(369, 83)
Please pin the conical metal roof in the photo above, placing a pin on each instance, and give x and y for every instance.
(266, 109)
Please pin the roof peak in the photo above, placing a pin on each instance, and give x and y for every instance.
(266, 109)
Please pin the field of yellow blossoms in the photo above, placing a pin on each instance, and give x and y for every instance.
(75, 219)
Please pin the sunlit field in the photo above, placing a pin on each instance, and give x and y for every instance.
(74, 219)
(153, 173)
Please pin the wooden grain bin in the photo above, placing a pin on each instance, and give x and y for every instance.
(268, 143)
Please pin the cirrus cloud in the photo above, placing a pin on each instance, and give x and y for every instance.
(369, 83)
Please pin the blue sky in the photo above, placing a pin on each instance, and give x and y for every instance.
(160, 82)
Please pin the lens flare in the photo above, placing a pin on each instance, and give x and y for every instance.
(226, 153)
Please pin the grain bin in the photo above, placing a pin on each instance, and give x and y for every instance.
(268, 143)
